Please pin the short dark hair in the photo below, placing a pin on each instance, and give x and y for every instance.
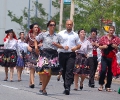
(113, 27)
(94, 30)
(80, 30)
(50, 22)
(21, 33)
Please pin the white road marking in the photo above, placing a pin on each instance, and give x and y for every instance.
(9, 86)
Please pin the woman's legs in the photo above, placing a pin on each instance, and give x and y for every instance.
(19, 72)
(6, 73)
(82, 80)
(45, 81)
(76, 78)
(40, 78)
(11, 73)
(32, 73)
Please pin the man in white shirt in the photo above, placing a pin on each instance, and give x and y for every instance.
(67, 55)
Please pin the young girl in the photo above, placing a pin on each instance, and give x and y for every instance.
(21, 50)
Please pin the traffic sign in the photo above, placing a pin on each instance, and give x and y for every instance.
(67, 2)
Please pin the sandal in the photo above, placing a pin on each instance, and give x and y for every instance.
(108, 90)
(100, 88)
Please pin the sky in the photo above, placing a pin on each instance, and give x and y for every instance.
(16, 6)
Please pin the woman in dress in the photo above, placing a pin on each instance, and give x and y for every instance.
(21, 51)
(48, 55)
(10, 55)
(81, 69)
(30, 38)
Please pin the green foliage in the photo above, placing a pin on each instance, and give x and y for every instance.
(91, 13)
(88, 14)
(41, 19)
(66, 13)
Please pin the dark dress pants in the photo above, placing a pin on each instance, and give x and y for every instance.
(106, 68)
(92, 63)
(67, 62)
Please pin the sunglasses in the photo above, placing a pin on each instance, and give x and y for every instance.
(52, 25)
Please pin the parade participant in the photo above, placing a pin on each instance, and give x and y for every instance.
(32, 56)
(10, 55)
(48, 55)
(21, 51)
(92, 61)
(116, 62)
(109, 45)
(67, 55)
(81, 68)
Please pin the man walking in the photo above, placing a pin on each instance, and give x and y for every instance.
(92, 61)
(67, 55)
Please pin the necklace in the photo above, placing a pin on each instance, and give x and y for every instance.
(31, 38)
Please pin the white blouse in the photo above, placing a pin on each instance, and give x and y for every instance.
(10, 44)
(21, 46)
(85, 48)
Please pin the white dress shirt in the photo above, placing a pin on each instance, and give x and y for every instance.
(70, 39)
(10, 44)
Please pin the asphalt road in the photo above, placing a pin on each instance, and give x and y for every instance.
(21, 91)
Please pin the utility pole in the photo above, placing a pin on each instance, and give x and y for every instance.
(61, 15)
(28, 15)
(36, 9)
(72, 11)
(50, 3)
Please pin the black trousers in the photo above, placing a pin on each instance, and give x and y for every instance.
(67, 62)
(106, 67)
(92, 63)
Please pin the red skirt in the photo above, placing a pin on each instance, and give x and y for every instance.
(115, 67)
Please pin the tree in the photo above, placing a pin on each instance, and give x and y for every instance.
(92, 13)
(66, 12)
(22, 20)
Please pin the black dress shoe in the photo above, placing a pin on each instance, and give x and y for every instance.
(5, 80)
(91, 85)
(81, 87)
(67, 91)
(32, 86)
(40, 83)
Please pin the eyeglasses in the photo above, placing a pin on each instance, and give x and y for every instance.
(52, 25)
